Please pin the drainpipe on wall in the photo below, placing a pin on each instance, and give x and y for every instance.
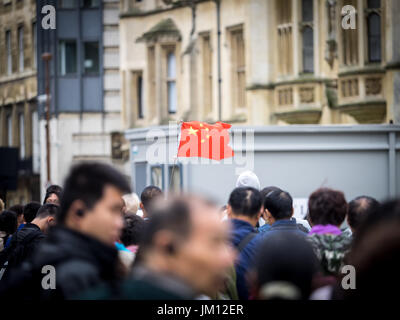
(218, 4)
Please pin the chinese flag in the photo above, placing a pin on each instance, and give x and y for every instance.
(199, 139)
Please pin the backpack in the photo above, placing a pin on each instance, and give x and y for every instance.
(230, 290)
(15, 253)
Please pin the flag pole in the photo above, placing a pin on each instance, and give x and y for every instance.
(176, 157)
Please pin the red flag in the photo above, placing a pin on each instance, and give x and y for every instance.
(200, 139)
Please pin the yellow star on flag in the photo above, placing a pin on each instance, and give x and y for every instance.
(192, 131)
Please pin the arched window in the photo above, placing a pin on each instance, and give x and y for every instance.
(374, 37)
(308, 50)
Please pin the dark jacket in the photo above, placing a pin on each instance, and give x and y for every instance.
(31, 231)
(81, 262)
(22, 245)
(240, 229)
(143, 284)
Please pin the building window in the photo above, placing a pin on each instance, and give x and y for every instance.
(171, 81)
(136, 92)
(139, 95)
(91, 61)
(67, 57)
(350, 40)
(151, 57)
(307, 10)
(157, 176)
(34, 46)
(207, 75)
(285, 37)
(21, 135)
(308, 50)
(68, 4)
(9, 131)
(21, 48)
(9, 52)
(308, 36)
(374, 33)
(89, 3)
(174, 178)
(239, 69)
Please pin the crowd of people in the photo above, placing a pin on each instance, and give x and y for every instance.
(105, 242)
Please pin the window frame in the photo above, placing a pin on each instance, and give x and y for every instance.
(237, 70)
(89, 74)
(8, 42)
(171, 50)
(21, 135)
(72, 74)
(21, 54)
(367, 14)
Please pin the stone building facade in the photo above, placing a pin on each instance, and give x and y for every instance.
(257, 62)
(18, 92)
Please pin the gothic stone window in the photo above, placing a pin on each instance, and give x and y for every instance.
(285, 36)
(307, 36)
(350, 40)
(374, 33)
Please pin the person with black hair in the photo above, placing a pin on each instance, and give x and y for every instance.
(81, 247)
(359, 209)
(53, 194)
(25, 241)
(30, 211)
(8, 225)
(284, 268)
(244, 210)
(375, 256)
(147, 197)
(19, 210)
(267, 224)
(327, 210)
(278, 207)
(132, 232)
(27, 214)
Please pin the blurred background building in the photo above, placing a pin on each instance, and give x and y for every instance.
(84, 76)
(18, 106)
(281, 62)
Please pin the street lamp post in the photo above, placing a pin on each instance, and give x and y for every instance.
(46, 57)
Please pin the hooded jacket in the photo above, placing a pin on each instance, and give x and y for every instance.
(330, 250)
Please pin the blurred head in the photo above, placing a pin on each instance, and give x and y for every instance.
(278, 205)
(284, 268)
(53, 194)
(248, 179)
(133, 229)
(131, 203)
(19, 210)
(46, 216)
(8, 221)
(1, 205)
(185, 237)
(327, 206)
(147, 198)
(245, 204)
(30, 211)
(359, 208)
(376, 254)
(92, 201)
